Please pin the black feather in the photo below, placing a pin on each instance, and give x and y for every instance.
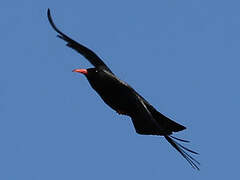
(87, 53)
(193, 162)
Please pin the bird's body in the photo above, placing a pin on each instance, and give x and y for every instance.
(125, 100)
(112, 90)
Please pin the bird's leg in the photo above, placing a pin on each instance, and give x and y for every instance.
(121, 112)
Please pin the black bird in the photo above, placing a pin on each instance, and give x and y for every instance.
(125, 100)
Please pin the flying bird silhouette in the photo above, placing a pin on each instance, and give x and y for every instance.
(125, 100)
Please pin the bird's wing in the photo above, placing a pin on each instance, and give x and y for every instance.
(145, 123)
(166, 126)
(143, 120)
(87, 53)
(164, 121)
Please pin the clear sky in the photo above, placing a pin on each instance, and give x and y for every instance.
(182, 56)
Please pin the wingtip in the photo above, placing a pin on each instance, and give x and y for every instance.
(51, 21)
(181, 149)
(183, 140)
(48, 13)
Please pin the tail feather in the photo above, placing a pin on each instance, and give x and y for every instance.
(180, 148)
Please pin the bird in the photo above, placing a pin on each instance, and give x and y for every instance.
(125, 100)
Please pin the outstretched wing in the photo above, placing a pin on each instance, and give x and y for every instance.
(149, 122)
(87, 53)
(143, 120)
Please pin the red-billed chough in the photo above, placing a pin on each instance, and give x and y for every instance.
(125, 100)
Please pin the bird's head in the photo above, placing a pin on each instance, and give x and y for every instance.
(95, 74)
(88, 72)
(91, 73)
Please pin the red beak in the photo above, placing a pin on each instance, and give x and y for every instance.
(83, 71)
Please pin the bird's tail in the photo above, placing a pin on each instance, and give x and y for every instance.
(182, 150)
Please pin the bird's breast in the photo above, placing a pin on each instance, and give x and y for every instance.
(115, 93)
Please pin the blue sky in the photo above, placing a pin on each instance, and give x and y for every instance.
(183, 57)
